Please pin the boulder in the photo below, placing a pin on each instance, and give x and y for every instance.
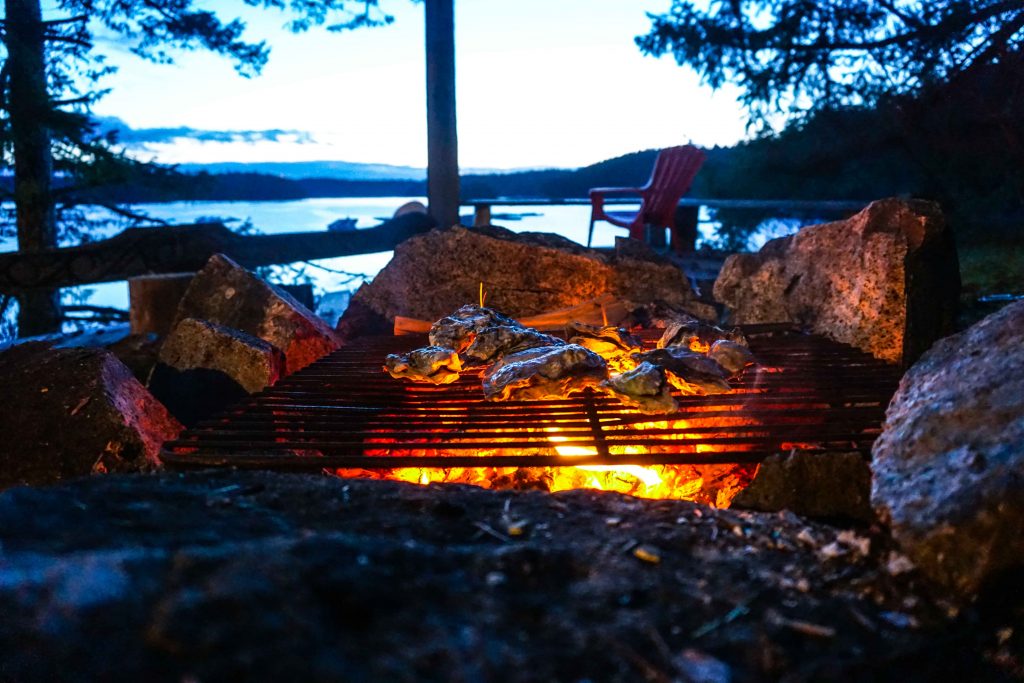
(203, 368)
(225, 293)
(886, 280)
(523, 274)
(823, 485)
(949, 465)
(70, 412)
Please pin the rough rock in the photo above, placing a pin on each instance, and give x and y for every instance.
(261, 576)
(523, 274)
(69, 412)
(822, 485)
(886, 280)
(225, 293)
(949, 465)
(204, 367)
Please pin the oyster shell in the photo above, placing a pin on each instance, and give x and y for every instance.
(688, 371)
(615, 338)
(645, 388)
(434, 364)
(697, 336)
(492, 343)
(543, 372)
(456, 331)
(731, 356)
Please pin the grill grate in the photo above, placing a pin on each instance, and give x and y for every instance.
(345, 412)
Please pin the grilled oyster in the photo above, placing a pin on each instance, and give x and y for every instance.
(645, 388)
(456, 331)
(435, 364)
(602, 340)
(543, 372)
(492, 343)
(731, 356)
(697, 336)
(688, 371)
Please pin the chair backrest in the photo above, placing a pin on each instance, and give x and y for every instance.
(674, 171)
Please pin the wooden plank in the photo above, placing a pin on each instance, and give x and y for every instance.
(442, 135)
(604, 310)
(186, 248)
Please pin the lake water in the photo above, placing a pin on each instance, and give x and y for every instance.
(275, 217)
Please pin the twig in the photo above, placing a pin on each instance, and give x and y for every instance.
(487, 529)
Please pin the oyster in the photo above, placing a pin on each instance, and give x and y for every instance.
(658, 314)
(698, 336)
(731, 356)
(543, 372)
(645, 388)
(688, 371)
(435, 364)
(456, 331)
(609, 339)
(492, 343)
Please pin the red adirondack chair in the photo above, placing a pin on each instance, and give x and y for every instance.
(674, 171)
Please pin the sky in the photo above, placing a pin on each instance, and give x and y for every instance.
(540, 83)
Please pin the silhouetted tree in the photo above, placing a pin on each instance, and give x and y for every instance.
(798, 56)
(48, 83)
(924, 97)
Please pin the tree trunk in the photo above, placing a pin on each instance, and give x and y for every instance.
(28, 106)
(442, 135)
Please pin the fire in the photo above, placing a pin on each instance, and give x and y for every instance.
(712, 484)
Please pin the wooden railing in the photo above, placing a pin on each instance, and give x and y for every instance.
(185, 248)
(482, 207)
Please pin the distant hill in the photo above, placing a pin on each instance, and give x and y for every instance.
(332, 170)
(287, 181)
(335, 170)
(232, 181)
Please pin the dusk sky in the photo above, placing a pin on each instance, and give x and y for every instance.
(540, 83)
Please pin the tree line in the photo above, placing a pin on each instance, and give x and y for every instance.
(847, 99)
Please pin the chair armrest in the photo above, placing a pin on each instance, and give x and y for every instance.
(597, 195)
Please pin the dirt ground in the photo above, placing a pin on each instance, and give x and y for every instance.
(258, 576)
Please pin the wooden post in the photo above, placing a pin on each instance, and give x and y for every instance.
(442, 139)
(153, 301)
(684, 238)
(482, 215)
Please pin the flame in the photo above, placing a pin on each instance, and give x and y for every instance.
(647, 475)
(712, 484)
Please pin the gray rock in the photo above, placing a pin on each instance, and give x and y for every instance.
(523, 274)
(225, 293)
(886, 280)
(204, 367)
(829, 485)
(949, 465)
(69, 412)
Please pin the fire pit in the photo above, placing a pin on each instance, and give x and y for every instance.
(342, 414)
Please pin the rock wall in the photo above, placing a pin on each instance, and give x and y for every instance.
(886, 280)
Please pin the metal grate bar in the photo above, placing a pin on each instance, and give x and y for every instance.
(344, 412)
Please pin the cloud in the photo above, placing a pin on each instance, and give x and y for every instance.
(141, 137)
